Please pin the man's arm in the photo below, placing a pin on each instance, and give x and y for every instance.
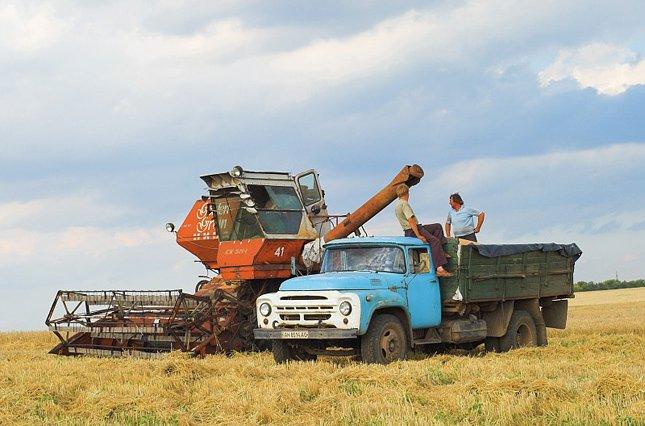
(412, 221)
(480, 221)
(448, 229)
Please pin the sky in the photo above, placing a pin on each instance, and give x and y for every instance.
(534, 111)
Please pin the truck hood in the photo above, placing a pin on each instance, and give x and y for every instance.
(343, 281)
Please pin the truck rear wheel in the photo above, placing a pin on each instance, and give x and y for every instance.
(385, 341)
(521, 332)
(283, 352)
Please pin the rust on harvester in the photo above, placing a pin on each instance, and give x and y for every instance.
(252, 230)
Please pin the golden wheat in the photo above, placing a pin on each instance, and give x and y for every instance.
(591, 373)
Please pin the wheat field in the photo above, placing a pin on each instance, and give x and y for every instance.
(591, 373)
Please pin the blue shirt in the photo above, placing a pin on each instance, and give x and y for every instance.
(462, 221)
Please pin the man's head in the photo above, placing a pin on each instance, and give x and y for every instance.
(403, 191)
(455, 201)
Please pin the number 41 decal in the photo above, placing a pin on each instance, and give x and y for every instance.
(279, 252)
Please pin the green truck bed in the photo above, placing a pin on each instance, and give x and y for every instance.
(524, 274)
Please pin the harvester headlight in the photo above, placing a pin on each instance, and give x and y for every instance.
(265, 309)
(237, 171)
(345, 308)
(170, 227)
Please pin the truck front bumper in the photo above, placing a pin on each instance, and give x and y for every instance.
(305, 333)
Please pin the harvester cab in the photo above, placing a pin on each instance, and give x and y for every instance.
(250, 230)
(253, 225)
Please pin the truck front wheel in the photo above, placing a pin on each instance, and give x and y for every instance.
(521, 332)
(283, 352)
(385, 341)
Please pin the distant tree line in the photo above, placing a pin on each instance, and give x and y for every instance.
(607, 285)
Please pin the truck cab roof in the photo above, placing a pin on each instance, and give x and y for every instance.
(378, 240)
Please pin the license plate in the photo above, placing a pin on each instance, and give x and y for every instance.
(300, 334)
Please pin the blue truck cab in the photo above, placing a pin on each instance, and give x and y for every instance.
(374, 296)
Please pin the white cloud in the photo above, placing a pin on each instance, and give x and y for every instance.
(121, 79)
(71, 244)
(71, 225)
(607, 68)
(26, 29)
(566, 166)
(55, 212)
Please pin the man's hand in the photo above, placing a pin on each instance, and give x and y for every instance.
(477, 230)
(422, 238)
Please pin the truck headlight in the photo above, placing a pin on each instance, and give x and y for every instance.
(345, 308)
(265, 309)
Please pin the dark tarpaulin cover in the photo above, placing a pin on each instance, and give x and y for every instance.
(494, 250)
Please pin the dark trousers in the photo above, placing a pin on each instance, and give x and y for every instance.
(469, 237)
(434, 234)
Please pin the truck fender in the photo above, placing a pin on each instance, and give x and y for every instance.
(398, 311)
(497, 320)
(532, 306)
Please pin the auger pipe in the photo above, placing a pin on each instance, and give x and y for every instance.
(410, 175)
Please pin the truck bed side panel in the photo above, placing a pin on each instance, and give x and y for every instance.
(518, 276)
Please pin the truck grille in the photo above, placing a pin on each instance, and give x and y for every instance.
(307, 317)
(290, 317)
(303, 307)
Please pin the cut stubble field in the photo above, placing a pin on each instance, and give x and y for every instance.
(591, 373)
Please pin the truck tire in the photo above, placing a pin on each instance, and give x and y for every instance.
(385, 341)
(283, 352)
(521, 332)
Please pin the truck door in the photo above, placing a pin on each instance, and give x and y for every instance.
(424, 300)
(313, 198)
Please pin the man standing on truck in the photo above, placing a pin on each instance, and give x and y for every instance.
(463, 219)
(429, 234)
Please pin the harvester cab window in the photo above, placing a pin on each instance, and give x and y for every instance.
(235, 223)
(419, 261)
(279, 208)
(309, 189)
(275, 197)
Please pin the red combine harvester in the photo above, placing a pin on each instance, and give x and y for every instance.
(253, 230)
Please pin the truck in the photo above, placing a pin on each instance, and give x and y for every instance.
(377, 298)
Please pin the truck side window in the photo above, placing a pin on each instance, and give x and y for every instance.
(419, 261)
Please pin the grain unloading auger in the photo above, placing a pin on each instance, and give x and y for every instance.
(253, 230)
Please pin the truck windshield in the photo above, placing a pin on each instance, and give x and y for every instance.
(379, 259)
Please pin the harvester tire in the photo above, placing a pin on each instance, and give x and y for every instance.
(385, 341)
(283, 352)
(521, 332)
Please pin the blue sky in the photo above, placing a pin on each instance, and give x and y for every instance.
(110, 111)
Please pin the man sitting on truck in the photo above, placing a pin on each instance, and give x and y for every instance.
(429, 234)
(462, 218)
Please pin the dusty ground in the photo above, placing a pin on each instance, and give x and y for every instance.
(591, 373)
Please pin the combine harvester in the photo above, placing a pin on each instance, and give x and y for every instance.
(254, 230)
